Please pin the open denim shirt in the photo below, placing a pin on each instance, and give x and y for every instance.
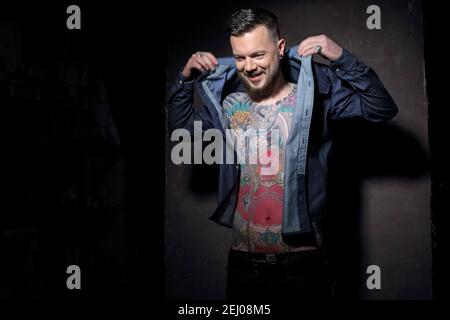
(344, 89)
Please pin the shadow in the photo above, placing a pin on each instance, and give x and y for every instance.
(362, 150)
(205, 179)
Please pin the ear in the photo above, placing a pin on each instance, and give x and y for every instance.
(281, 45)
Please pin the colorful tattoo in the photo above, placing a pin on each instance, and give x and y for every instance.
(258, 216)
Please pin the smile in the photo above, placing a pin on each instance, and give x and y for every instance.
(255, 78)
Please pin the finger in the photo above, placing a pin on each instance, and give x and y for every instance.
(309, 51)
(208, 61)
(311, 48)
(212, 57)
(306, 43)
(310, 42)
(202, 62)
(198, 66)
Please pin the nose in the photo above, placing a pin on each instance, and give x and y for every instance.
(249, 65)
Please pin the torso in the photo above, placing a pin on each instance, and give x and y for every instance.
(258, 215)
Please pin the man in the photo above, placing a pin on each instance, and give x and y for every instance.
(276, 215)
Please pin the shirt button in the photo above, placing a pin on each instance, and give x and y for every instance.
(337, 69)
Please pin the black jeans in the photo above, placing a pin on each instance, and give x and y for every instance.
(302, 274)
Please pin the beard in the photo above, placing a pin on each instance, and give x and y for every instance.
(265, 86)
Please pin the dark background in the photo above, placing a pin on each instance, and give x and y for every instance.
(83, 138)
(83, 135)
(379, 181)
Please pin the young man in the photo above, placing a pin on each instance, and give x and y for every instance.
(276, 213)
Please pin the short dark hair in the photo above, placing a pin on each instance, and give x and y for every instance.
(245, 20)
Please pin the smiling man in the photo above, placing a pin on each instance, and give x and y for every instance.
(277, 218)
(257, 61)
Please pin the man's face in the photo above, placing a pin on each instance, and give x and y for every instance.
(257, 60)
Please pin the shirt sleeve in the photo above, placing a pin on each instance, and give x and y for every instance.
(358, 92)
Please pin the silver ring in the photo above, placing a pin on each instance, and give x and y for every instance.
(319, 49)
(200, 54)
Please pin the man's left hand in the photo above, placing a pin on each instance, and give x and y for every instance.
(330, 49)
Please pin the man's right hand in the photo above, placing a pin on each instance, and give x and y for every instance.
(200, 61)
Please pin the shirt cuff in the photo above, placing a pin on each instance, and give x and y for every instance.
(183, 83)
(344, 62)
(182, 79)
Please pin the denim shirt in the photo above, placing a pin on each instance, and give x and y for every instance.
(346, 88)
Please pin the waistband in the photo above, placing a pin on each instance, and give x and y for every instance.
(273, 258)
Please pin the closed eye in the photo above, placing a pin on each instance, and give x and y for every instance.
(258, 54)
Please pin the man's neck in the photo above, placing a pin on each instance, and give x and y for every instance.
(281, 89)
